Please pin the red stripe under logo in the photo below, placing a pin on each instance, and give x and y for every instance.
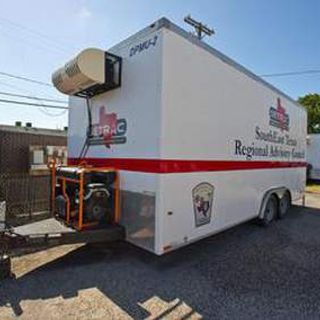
(181, 166)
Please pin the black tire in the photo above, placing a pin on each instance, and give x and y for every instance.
(60, 207)
(270, 211)
(284, 205)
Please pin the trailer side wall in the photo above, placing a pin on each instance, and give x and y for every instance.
(220, 135)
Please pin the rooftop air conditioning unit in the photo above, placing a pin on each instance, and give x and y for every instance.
(91, 72)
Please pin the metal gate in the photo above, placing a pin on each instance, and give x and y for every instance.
(27, 197)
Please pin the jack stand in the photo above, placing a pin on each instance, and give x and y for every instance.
(5, 267)
(5, 261)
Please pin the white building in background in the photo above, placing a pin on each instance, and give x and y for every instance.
(313, 155)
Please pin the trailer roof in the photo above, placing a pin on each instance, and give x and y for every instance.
(166, 23)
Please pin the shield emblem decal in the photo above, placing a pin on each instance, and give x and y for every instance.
(202, 196)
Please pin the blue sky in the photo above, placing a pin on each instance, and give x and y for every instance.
(37, 36)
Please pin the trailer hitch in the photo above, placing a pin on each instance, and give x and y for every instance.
(9, 241)
(12, 240)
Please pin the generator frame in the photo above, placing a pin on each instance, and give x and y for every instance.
(83, 169)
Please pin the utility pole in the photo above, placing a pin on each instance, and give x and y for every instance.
(201, 29)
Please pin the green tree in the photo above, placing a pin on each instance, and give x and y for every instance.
(312, 104)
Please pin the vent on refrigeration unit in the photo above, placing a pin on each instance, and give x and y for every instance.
(91, 72)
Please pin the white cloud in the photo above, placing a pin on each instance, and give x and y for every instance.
(84, 13)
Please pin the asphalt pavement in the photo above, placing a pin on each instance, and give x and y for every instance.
(248, 272)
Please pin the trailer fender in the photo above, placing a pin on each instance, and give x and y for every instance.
(278, 191)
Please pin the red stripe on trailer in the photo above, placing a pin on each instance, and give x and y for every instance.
(182, 166)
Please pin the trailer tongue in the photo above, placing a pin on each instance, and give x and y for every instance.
(49, 233)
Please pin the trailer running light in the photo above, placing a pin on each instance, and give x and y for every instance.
(167, 248)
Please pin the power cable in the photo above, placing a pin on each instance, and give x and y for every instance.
(19, 88)
(19, 39)
(31, 97)
(10, 75)
(33, 104)
(47, 113)
(42, 110)
(55, 43)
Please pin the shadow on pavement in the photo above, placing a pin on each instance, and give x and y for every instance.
(246, 272)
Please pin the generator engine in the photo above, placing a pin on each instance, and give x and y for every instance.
(84, 197)
(97, 200)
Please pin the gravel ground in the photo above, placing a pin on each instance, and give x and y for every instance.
(248, 272)
(312, 200)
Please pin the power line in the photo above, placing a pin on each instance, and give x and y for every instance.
(19, 88)
(19, 39)
(31, 97)
(47, 113)
(10, 75)
(55, 43)
(42, 110)
(34, 104)
(290, 73)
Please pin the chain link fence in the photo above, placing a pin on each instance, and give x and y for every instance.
(27, 196)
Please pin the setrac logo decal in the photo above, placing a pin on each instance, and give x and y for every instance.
(278, 117)
(202, 196)
(109, 129)
(143, 46)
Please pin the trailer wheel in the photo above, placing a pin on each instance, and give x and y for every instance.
(270, 211)
(284, 205)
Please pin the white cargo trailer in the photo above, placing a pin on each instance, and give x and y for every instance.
(313, 155)
(202, 144)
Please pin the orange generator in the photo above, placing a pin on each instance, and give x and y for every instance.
(84, 197)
